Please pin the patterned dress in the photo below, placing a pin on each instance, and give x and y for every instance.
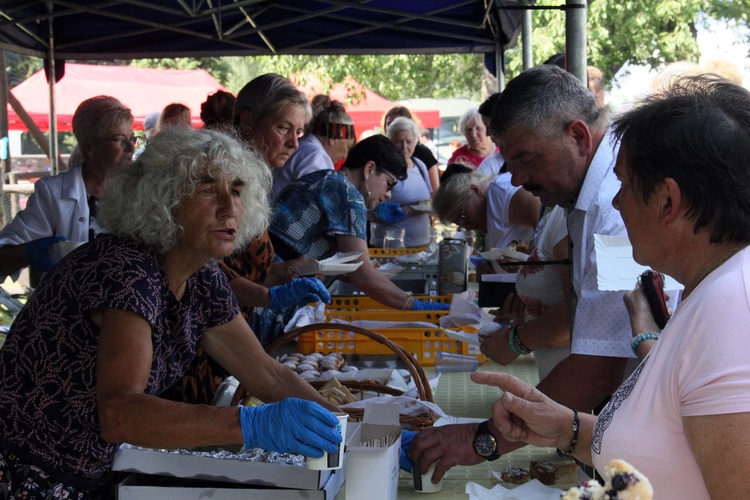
(48, 412)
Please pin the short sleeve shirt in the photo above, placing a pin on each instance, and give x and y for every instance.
(48, 412)
(314, 210)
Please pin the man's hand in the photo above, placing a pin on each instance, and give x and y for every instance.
(448, 445)
(523, 413)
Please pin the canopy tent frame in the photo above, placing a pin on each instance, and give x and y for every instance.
(200, 28)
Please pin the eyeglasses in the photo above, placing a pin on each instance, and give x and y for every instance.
(123, 140)
(392, 181)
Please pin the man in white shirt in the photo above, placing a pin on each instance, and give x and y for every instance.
(556, 145)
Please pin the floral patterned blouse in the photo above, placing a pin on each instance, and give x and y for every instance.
(48, 413)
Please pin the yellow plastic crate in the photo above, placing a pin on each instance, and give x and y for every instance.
(395, 252)
(364, 303)
(347, 315)
(422, 343)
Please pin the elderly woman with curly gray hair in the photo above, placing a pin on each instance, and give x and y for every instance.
(120, 318)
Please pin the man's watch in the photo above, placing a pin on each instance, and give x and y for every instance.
(485, 444)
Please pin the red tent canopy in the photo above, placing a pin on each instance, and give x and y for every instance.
(143, 90)
(364, 106)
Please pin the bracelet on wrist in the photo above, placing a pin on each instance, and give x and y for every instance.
(406, 302)
(519, 343)
(574, 440)
(640, 338)
(510, 337)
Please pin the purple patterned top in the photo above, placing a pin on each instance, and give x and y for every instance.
(48, 410)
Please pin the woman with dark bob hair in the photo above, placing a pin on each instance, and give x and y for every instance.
(119, 319)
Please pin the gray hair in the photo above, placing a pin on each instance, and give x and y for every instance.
(403, 123)
(451, 196)
(140, 200)
(266, 95)
(95, 115)
(470, 116)
(544, 99)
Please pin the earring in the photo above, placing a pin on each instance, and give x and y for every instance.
(367, 188)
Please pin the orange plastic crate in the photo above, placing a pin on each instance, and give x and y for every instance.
(364, 303)
(386, 315)
(422, 343)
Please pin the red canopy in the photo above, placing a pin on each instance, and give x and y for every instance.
(364, 106)
(143, 90)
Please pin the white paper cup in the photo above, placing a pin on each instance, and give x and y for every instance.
(330, 461)
(423, 482)
(447, 362)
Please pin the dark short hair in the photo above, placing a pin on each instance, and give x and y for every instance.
(696, 132)
(382, 151)
(485, 109)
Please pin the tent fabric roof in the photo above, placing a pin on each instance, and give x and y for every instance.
(143, 90)
(131, 29)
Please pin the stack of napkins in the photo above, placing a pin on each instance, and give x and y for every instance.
(332, 266)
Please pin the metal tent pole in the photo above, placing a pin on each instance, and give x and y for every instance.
(52, 114)
(526, 28)
(575, 39)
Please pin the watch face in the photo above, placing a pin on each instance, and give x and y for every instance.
(485, 445)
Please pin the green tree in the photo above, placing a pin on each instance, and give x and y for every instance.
(392, 76)
(650, 32)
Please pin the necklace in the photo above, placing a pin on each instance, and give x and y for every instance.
(718, 264)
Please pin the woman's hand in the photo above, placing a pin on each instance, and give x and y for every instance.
(513, 310)
(290, 425)
(281, 273)
(299, 292)
(497, 348)
(641, 318)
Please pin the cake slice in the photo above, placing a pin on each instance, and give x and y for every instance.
(626, 483)
(550, 473)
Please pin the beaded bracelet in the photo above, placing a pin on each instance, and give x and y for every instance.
(574, 440)
(640, 338)
(408, 296)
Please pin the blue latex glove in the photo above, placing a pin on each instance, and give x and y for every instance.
(404, 461)
(37, 252)
(297, 293)
(423, 305)
(291, 425)
(389, 211)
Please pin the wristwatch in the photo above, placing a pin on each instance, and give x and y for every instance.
(485, 444)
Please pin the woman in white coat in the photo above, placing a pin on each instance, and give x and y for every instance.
(63, 207)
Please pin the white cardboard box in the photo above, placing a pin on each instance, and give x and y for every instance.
(372, 472)
(145, 461)
(139, 487)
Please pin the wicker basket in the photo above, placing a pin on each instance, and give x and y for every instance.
(424, 392)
